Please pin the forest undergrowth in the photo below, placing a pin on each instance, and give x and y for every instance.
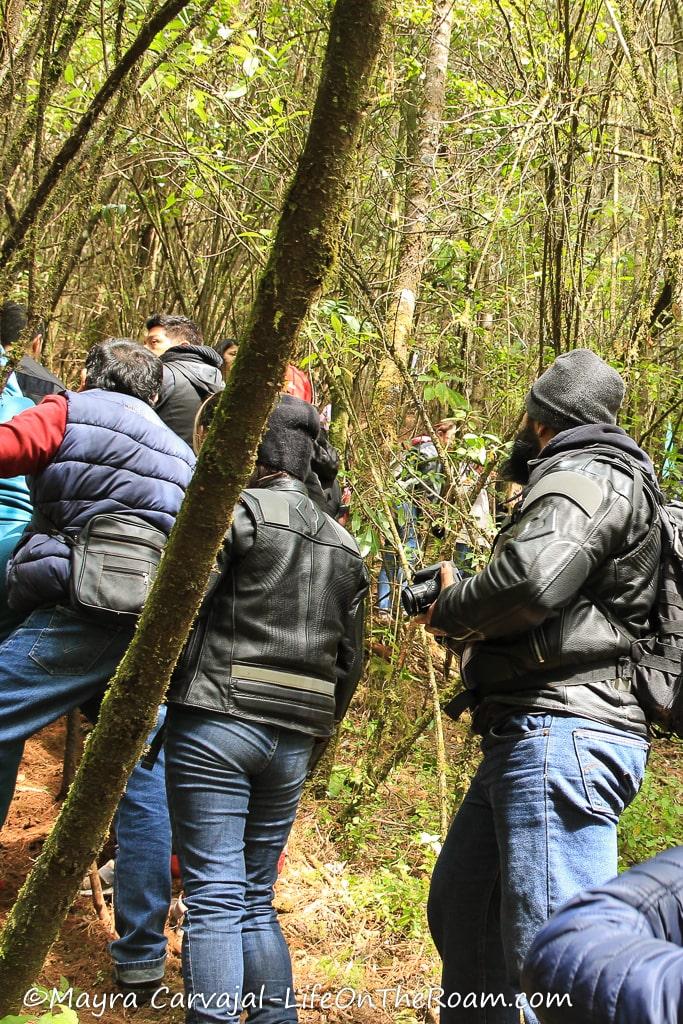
(353, 890)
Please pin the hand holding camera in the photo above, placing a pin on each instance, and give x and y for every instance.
(418, 597)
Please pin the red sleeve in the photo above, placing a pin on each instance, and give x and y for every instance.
(28, 441)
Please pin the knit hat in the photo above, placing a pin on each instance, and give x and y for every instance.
(289, 440)
(579, 387)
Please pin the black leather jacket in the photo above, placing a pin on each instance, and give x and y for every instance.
(280, 638)
(585, 537)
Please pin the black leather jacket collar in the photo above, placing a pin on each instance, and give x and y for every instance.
(280, 483)
(588, 436)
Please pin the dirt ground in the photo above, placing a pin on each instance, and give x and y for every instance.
(341, 958)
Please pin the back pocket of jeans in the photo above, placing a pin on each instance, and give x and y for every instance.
(72, 646)
(612, 768)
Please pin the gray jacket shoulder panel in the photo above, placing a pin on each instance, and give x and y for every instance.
(347, 541)
(580, 489)
(270, 507)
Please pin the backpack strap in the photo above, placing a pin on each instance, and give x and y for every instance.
(152, 750)
(463, 701)
(640, 484)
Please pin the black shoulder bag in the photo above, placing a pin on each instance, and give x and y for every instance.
(114, 561)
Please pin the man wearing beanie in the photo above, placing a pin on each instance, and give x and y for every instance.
(269, 670)
(547, 674)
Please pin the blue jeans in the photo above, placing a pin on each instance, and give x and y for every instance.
(233, 789)
(142, 872)
(538, 825)
(391, 574)
(55, 662)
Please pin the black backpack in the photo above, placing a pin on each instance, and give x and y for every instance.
(657, 658)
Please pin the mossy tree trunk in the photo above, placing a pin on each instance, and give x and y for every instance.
(303, 251)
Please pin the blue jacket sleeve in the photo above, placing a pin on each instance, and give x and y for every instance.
(615, 952)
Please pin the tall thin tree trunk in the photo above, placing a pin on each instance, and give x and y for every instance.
(423, 150)
(304, 249)
(665, 127)
(73, 751)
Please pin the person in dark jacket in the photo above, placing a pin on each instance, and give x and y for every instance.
(34, 380)
(614, 954)
(565, 740)
(99, 450)
(192, 370)
(268, 671)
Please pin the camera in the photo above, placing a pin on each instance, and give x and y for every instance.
(424, 590)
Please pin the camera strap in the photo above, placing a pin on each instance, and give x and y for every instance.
(463, 701)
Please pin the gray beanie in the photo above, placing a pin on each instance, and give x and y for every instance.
(579, 387)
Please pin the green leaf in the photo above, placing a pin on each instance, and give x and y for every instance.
(234, 94)
(351, 321)
(65, 1016)
(250, 65)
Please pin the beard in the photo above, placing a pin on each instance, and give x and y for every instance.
(525, 447)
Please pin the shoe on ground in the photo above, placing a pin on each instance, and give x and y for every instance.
(142, 990)
(106, 873)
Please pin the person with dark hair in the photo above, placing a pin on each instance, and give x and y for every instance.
(192, 370)
(33, 379)
(227, 350)
(549, 680)
(614, 954)
(165, 330)
(99, 450)
(120, 365)
(270, 667)
(480, 522)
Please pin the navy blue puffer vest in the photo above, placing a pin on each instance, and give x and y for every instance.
(116, 456)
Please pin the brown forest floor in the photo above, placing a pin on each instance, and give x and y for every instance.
(354, 928)
(333, 944)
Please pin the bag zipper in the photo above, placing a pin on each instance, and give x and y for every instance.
(125, 540)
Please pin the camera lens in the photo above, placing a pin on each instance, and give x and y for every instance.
(408, 601)
(418, 598)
